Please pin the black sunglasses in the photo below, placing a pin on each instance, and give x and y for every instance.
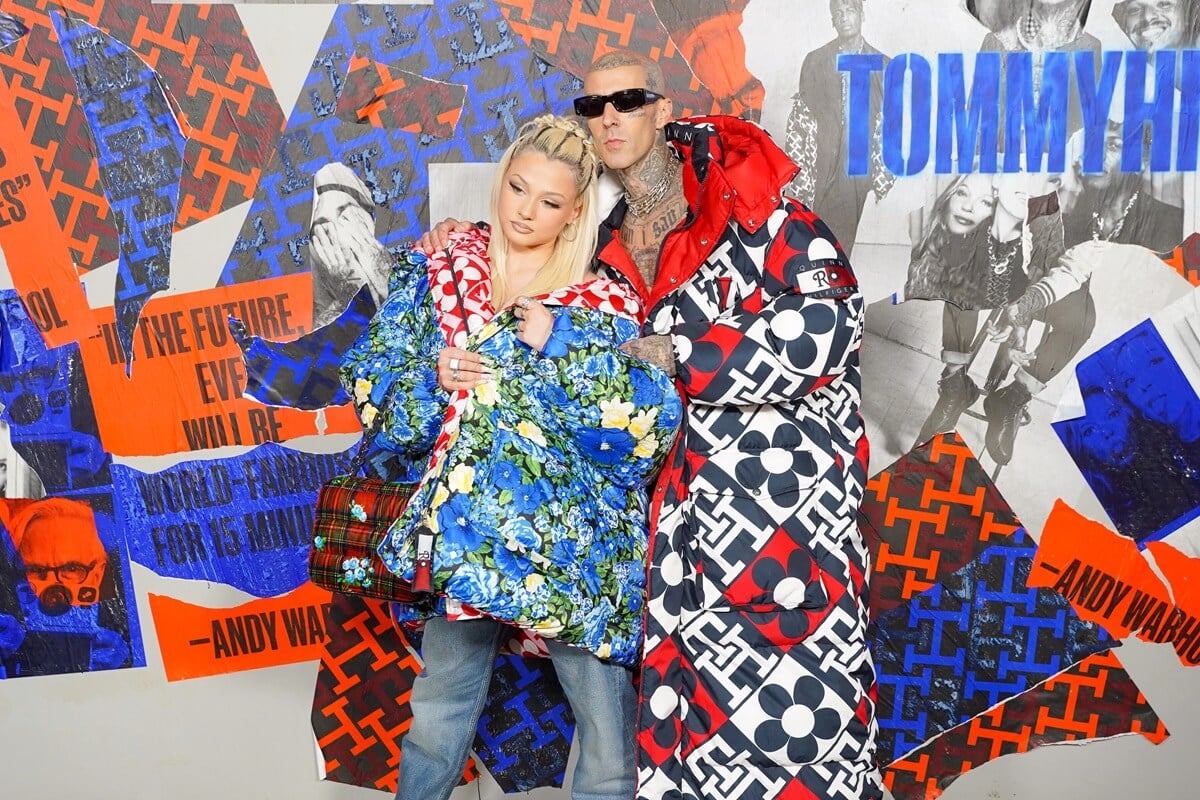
(592, 105)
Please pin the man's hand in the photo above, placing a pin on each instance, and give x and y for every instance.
(439, 237)
(658, 350)
(534, 322)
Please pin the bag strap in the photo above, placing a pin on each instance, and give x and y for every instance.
(360, 457)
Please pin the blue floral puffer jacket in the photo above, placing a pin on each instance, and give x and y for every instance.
(535, 488)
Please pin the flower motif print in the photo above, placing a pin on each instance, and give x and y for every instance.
(799, 722)
(357, 572)
(779, 464)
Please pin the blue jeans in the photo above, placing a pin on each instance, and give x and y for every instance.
(449, 694)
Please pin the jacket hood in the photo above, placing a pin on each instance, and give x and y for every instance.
(748, 161)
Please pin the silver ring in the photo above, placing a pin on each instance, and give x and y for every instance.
(524, 303)
(454, 364)
(454, 376)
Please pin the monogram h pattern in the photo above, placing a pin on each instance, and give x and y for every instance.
(570, 35)
(203, 60)
(758, 607)
(933, 521)
(464, 44)
(1093, 699)
(360, 707)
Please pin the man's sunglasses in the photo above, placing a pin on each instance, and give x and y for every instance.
(592, 105)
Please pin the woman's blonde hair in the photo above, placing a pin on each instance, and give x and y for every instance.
(558, 139)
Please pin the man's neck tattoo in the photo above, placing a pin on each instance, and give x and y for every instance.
(649, 182)
(643, 205)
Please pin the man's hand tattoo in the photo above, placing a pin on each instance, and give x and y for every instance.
(658, 350)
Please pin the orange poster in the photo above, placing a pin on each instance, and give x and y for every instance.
(1109, 581)
(30, 234)
(185, 390)
(196, 641)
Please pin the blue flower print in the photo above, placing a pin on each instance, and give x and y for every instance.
(591, 577)
(454, 522)
(512, 565)
(506, 475)
(646, 392)
(564, 553)
(606, 446)
(528, 497)
(473, 584)
(600, 365)
(521, 533)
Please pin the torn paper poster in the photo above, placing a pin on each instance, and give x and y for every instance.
(1094, 699)
(211, 76)
(139, 145)
(1109, 581)
(474, 47)
(979, 637)
(1137, 442)
(39, 262)
(197, 641)
(186, 394)
(66, 601)
(245, 521)
(927, 515)
(360, 706)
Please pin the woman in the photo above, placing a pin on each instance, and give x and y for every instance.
(986, 238)
(539, 436)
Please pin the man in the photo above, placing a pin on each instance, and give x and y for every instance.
(757, 682)
(757, 676)
(1114, 207)
(342, 242)
(1154, 24)
(60, 610)
(816, 130)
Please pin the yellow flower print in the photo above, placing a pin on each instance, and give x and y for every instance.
(461, 478)
(614, 413)
(549, 628)
(485, 394)
(362, 391)
(604, 650)
(368, 415)
(646, 446)
(531, 432)
(439, 497)
(640, 425)
(534, 581)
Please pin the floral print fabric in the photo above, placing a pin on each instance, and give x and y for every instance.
(538, 505)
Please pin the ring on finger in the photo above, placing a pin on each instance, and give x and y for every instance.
(524, 302)
(454, 362)
(454, 374)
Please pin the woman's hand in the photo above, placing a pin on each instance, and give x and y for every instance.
(439, 237)
(534, 322)
(459, 370)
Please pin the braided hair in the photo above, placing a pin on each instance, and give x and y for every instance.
(563, 140)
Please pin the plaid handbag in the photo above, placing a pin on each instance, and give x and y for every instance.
(353, 515)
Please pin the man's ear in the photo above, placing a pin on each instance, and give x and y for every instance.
(663, 112)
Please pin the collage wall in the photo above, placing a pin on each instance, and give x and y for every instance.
(192, 235)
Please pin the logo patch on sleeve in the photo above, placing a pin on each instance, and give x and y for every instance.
(827, 279)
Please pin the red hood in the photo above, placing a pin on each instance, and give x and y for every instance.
(742, 153)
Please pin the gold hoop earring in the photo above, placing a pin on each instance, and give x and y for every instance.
(574, 233)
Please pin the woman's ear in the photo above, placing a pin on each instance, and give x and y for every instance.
(575, 213)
